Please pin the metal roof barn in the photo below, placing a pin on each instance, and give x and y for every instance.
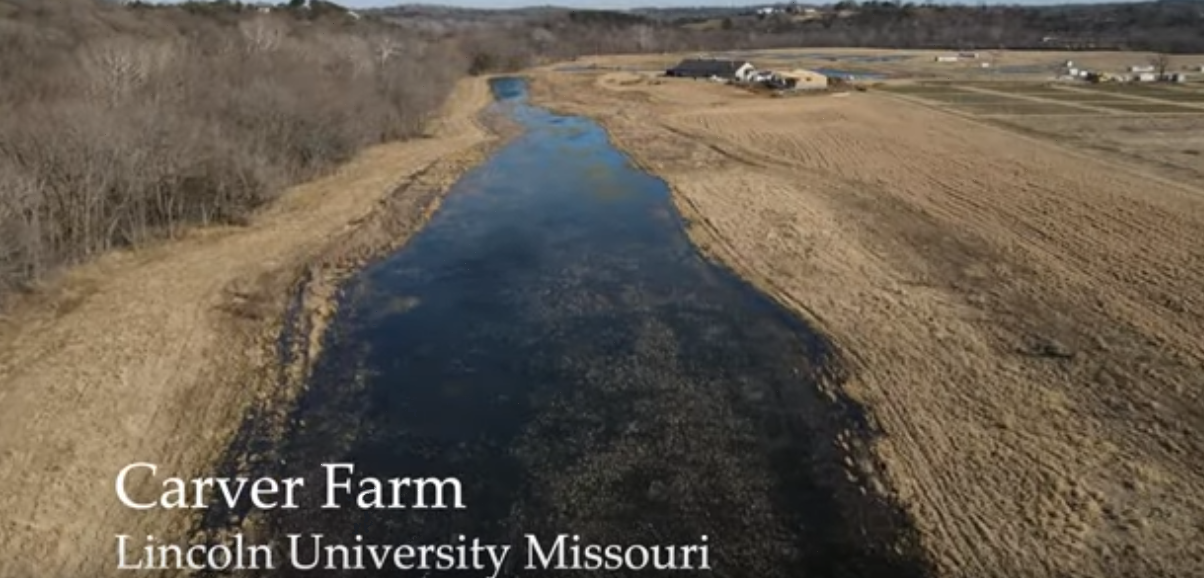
(705, 68)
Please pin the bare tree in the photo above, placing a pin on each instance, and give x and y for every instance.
(645, 38)
(1160, 62)
(385, 47)
(263, 33)
(116, 66)
(543, 39)
(155, 118)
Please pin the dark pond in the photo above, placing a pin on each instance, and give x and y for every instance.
(553, 341)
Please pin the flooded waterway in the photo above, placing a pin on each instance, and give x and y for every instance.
(552, 340)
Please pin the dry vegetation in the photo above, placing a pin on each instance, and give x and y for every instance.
(1168, 26)
(123, 125)
(119, 125)
(1158, 126)
(1036, 369)
(155, 354)
(1021, 318)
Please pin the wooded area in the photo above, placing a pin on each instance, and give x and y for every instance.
(1173, 27)
(126, 122)
(121, 125)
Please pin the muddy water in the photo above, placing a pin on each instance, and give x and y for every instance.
(553, 341)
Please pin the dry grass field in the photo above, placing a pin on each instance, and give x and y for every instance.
(1160, 126)
(154, 354)
(1013, 271)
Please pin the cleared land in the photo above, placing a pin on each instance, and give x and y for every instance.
(1159, 126)
(154, 355)
(1022, 318)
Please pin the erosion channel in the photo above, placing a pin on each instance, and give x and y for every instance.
(554, 341)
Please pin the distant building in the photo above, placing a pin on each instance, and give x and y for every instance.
(804, 79)
(945, 59)
(707, 68)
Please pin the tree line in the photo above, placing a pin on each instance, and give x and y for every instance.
(1165, 26)
(124, 122)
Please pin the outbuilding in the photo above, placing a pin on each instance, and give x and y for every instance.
(707, 68)
(805, 79)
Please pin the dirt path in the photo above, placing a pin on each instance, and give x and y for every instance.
(1024, 323)
(1143, 98)
(149, 356)
(1040, 100)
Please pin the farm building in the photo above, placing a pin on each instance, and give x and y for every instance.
(945, 59)
(805, 79)
(707, 68)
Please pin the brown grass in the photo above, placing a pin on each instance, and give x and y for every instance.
(959, 97)
(1017, 315)
(1084, 97)
(1020, 108)
(1150, 107)
(155, 354)
(1164, 143)
(1180, 96)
